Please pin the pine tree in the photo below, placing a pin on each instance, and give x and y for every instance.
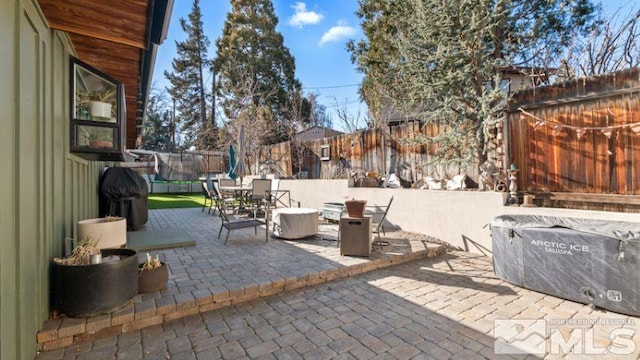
(441, 60)
(255, 72)
(157, 131)
(188, 86)
(318, 115)
(374, 55)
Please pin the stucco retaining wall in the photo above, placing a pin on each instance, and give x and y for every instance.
(457, 217)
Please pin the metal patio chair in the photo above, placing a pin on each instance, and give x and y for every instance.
(260, 190)
(232, 222)
(208, 197)
(378, 226)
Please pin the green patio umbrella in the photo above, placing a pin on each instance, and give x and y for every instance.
(232, 162)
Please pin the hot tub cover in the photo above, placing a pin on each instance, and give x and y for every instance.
(595, 262)
(618, 230)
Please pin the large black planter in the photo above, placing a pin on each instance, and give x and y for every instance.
(89, 290)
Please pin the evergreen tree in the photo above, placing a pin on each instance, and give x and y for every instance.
(375, 54)
(158, 128)
(255, 72)
(188, 86)
(441, 60)
(317, 113)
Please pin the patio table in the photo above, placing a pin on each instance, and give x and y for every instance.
(240, 192)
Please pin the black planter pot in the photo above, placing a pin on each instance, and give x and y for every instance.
(153, 279)
(89, 290)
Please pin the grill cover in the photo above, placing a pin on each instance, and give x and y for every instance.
(124, 193)
(588, 261)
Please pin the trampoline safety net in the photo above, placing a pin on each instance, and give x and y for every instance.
(179, 166)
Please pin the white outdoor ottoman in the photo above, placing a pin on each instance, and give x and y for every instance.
(294, 223)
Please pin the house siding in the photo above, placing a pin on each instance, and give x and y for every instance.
(44, 189)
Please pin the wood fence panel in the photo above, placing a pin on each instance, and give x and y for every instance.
(517, 155)
(576, 149)
(634, 103)
(589, 150)
(529, 173)
(552, 162)
(393, 150)
(602, 183)
(577, 138)
(276, 159)
(628, 146)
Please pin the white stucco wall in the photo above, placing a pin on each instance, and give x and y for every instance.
(457, 217)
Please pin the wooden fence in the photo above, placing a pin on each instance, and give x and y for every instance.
(379, 151)
(576, 145)
(579, 142)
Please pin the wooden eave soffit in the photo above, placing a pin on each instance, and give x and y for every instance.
(116, 21)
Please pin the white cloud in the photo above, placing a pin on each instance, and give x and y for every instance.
(303, 16)
(338, 32)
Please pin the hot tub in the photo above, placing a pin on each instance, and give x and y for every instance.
(593, 262)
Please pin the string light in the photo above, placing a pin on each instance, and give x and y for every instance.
(538, 124)
(581, 130)
(607, 132)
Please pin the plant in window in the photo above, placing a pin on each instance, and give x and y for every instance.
(98, 103)
(98, 137)
(101, 102)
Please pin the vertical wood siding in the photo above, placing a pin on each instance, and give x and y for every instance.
(44, 189)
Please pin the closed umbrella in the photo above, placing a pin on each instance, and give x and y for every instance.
(232, 162)
(240, 169)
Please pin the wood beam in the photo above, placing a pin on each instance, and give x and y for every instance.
(99, 35)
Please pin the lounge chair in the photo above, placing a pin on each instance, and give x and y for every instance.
(232, 222)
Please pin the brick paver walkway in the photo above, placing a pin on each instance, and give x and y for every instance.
(435, 308)
(211, 275)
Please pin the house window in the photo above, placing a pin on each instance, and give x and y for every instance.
(325, 152)
(97, 113)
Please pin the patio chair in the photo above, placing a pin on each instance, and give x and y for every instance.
(277, 196)
(226, 182)
(232, 222)
(260, 191)
(378, 226)
(208, 197)
(226, 203)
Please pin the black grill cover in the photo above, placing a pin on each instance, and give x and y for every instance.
(123, 192)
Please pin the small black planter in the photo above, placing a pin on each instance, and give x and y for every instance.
(89, 290)
(153, 279)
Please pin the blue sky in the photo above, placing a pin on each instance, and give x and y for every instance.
(316, 34)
